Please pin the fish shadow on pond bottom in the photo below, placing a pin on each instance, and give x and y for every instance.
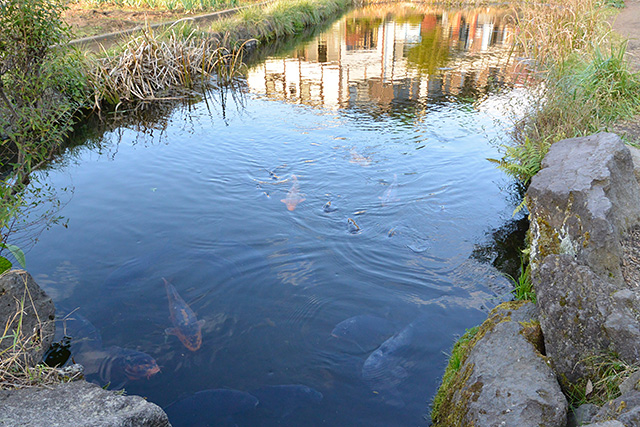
(221, 407)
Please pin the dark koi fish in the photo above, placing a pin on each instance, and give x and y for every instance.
(117, 366)
(187, 327)
(293, 196)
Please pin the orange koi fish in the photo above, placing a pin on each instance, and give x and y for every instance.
(293, 196)
(187, 327)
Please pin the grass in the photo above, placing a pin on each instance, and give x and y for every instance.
(153, 65)
(17, 370)
(607, 372)
(456, 359)
(279, 19)
(522, 285)
(584, 85)
(168, 5)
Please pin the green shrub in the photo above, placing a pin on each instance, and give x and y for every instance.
(41, 88)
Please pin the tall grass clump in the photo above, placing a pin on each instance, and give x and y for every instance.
(152, 66)
(589, 94)
(18, 344)
(279, 19)
(584, 83)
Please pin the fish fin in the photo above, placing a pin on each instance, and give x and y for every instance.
(171, 331)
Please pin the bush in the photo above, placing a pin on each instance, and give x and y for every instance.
(41, 88)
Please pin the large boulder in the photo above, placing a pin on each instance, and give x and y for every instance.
(582, 315)
(30, 314)
(504, 379)
(584, 205)
(77, 404)
(582, 202)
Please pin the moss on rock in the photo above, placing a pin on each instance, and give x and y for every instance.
(450, 403)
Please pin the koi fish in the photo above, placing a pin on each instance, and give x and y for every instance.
(352, 226)
(391, 195)
(117, 366)
(187, 327)
(293, 196)
(113, 365)
(359, 159)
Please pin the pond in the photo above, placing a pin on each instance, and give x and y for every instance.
(348, 181)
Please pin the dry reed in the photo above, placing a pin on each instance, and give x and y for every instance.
(17, 370)
(550, 32)
(153, 67)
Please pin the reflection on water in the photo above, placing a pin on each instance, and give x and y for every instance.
(325, 239)
(392, 53)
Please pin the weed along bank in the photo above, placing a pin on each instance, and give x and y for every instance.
(287, 230)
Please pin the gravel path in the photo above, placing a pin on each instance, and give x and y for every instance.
(627, 23)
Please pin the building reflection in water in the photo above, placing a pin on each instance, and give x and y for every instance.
(385, 54)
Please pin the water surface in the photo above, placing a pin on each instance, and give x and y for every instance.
(375, 135)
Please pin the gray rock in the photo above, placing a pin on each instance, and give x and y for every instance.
(573, 306)
(631, 383)
(611, 423)
(18, 289)
(77, 404)
(625, 409)
(635, 156)
(582, 201)
(509, 383)
(582, 415)
(584, 204)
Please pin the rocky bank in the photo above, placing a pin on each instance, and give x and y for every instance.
(29, 315)
(585, 256)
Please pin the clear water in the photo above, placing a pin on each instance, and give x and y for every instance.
(389, 115)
